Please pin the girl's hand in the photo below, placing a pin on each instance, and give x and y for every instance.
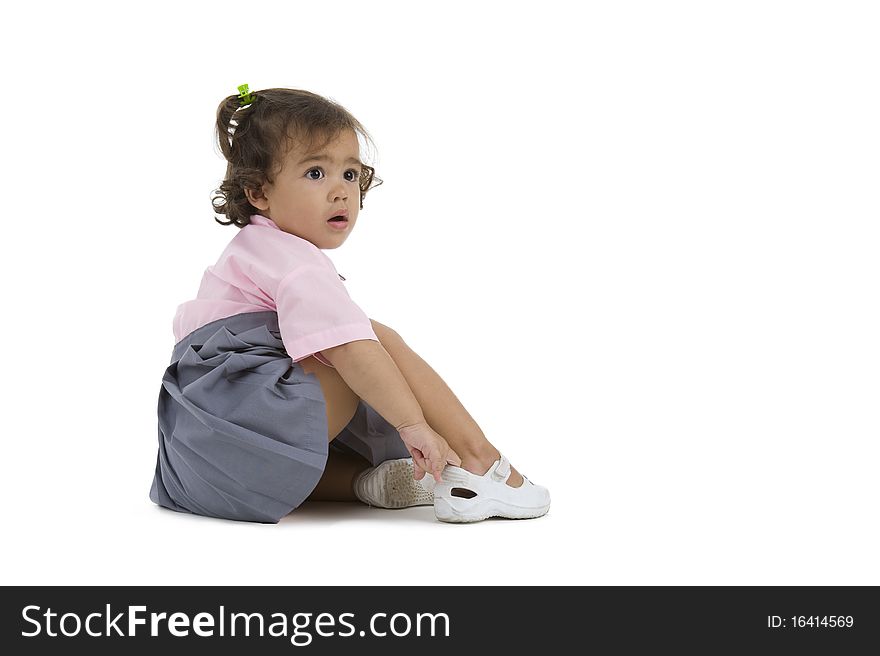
(429, 451)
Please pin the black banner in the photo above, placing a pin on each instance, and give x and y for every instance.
(391, 620)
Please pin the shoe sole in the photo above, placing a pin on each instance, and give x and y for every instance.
(396, 487)
(464, 511)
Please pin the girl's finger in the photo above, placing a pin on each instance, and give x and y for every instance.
(418, 471)
(419, 461)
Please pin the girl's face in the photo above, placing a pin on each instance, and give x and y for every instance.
(314, 187)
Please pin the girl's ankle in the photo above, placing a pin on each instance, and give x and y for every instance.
(480, 464)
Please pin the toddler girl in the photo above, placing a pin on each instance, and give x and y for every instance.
(280, 388)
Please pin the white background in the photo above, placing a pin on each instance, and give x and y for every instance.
(638, 240)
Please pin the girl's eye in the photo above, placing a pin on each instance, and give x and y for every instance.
(355, 174)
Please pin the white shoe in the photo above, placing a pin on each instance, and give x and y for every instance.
(466, 497)
(391, 485)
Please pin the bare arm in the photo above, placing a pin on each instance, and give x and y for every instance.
(370, 372)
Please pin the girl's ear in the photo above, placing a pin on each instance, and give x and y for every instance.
(257, 198)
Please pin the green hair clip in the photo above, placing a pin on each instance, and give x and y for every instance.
(244, 96)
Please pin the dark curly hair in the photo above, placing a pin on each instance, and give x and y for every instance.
(256, 138)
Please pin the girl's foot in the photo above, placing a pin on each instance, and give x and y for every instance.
(391, 485)
(465, 496)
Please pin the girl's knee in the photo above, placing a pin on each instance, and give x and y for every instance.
(384, 333)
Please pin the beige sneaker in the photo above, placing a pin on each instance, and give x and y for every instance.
(391, 485)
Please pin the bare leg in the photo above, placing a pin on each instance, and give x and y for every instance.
(442, 409)
(337, 482)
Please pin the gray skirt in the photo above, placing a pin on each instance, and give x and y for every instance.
(243, 429)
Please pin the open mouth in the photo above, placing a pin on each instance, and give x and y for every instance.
(338, 220)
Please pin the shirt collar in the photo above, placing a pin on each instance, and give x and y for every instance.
(259, 219)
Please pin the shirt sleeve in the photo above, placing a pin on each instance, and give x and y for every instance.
(315, 312)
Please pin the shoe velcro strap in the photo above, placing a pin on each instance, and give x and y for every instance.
(502, 471)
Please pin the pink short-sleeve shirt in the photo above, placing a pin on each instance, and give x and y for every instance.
(264, 268)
